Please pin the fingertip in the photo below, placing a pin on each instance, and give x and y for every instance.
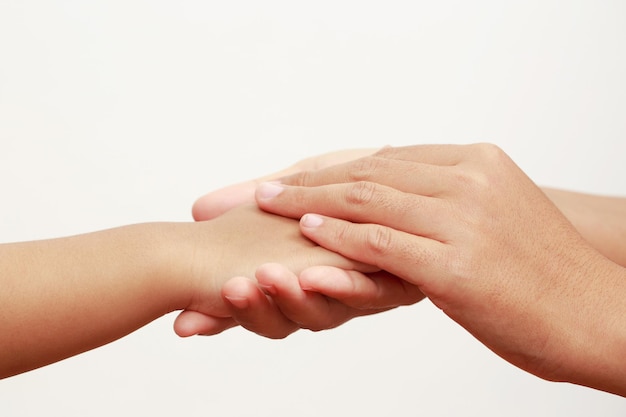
(311, 221)
(266, 276)
(316, 278)
(208, 207)
(192, 323)
(197, 210)
(240, 303)
(278, 281)
(271, 271)
(243, 294)
(182, 326)
(266, 191)
(255, 311)
(237, 290)
(218, 202)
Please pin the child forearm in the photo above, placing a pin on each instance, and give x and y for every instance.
(64, 296)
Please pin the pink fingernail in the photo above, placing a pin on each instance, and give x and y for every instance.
(268, 190)
(311, 220)
(268, 289)
(238, 302)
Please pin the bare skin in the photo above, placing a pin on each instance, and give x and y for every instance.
(599, 219)
(485, 244)
(64, 296)
(295, 300)
(317, 305)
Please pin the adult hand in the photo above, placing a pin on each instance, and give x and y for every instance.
(277, 302)
(484, 243)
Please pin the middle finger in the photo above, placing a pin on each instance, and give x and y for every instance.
(408, 176)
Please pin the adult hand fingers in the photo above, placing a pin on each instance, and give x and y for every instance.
(442, 155)
(218, 202)
(361, 202)
(376, 169)
(422, 169)
(419, 260)
(407, 176)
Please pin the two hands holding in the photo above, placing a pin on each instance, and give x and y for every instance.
(536, 275)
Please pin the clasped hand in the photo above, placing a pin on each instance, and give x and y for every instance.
(464, 226)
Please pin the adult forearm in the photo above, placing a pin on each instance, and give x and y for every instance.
(601, 220)
(477, 237)
(594, 351)
(64, 296)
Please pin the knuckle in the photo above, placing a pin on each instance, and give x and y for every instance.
(364, 168)
(462, 265)
(379, 240)
(484, 173)
(474, 182)
(343, 235)
(303, 179)
(361, 193)
(489, 152)
(385, 151)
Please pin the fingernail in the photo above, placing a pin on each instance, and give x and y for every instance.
(268, 289)
(267, 190)
(311, 220)
(238, 302)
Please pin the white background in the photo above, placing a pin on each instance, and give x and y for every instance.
(115, 112)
